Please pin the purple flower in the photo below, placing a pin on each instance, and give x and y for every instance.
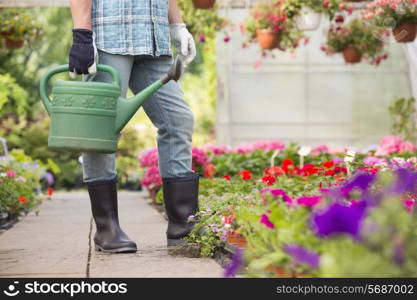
(399, 253)
(361, 181)
(202, 38)
(406, 181)
(49, 178)
(235, 265)
(338, 219)
(302, 255)
(278, 192)
(265, 221)
(227, 39)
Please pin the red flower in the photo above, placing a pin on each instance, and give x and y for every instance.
(228, 220)
(326, 3)
(329, 173)
(328, 164)
(339, 169)
(210, 170)
(269, 180)
(50, 191)
(245, 174)
(288, 161)
(227, 177)
(23, 200)
(274, 171)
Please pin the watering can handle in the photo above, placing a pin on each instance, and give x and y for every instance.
(65, 68)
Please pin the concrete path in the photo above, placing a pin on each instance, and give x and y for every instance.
(58, 243)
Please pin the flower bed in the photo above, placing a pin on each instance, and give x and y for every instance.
(297, 212)
(20, 179)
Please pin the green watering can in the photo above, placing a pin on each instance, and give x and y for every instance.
(88, 116)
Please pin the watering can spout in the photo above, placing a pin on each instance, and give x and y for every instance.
(126, 108)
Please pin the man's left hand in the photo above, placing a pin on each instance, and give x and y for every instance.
(183, 41)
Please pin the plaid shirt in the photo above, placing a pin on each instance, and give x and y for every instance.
(131, 27)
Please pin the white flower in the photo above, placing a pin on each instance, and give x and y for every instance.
(2, 174)
(304, 151)
(21, 179)
(350, 155)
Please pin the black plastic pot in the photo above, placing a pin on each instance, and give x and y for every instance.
(7, 220)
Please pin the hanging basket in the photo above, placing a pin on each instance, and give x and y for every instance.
(351, 54)
(12, 44)
(267, 39)
(308, 19)
(405, 32)
(204, 4)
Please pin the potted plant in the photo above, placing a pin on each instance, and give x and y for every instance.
(269, 25)
(204, 4)
(356, 40)
(307, 14)
(400, 15)
(16, 27)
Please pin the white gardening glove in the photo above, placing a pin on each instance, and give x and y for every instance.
(183, 42)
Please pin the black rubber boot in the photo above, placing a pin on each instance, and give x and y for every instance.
(109, 237)
(181, 201)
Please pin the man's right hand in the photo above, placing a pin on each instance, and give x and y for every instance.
(83, 53)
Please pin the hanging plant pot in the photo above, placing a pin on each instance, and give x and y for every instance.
(405, 32)
(236, 240)
(12, 44)
(351, 54)
(204, 4)
(267, 39)
(308, 19)
(279, 272)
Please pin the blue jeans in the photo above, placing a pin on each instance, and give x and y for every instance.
(166, 109)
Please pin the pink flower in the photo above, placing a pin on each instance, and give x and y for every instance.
(149, 158)
(152, 177)
(244, 149)
(216, 149)
(337, 160)
(374, 161)
(393, 144)
(268, 145)
(265, 221)
(406, 147)
(11, 174)
(275, 193)
(202, 38)
(200, 157)
(309, 200)
(319, 150)
(409, 204)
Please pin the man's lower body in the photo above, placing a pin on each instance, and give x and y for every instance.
(174, 120)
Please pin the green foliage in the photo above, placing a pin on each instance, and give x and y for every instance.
(205, 22)
(294, 7)
(273, 16)
(403, 116)
(17, 25)
(127, 161)
(12, 96)
(18, 184)
(367, 38)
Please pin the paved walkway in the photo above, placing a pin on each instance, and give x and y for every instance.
(58, 243)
